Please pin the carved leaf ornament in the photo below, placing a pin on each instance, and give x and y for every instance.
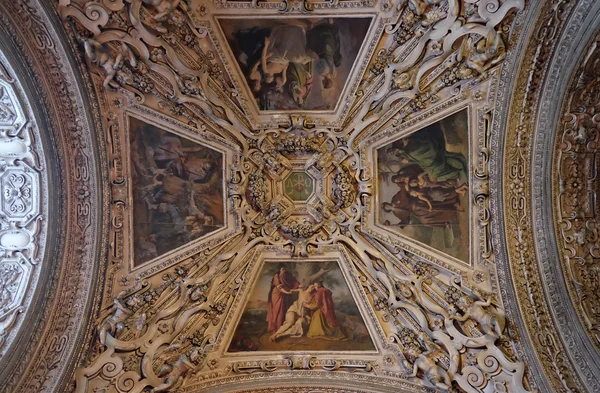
(22, 206)
(166, 325)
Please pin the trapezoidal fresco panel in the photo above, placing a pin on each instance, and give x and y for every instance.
(292, 64)
(423, 186)
(300, 306)
(177, 189)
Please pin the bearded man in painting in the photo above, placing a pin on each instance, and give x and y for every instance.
(280, 297)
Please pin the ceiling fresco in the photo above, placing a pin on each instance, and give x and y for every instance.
(301, 196)
(177, 190)
(296, 64)
(423, 185)
(305, 192)
(301, 306)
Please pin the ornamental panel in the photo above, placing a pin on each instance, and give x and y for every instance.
(20, 199)
(196, 318)
(177, 189)
(23, 205)
(576, 186)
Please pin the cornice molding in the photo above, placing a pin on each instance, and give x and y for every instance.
(552, 33)
(63, 111)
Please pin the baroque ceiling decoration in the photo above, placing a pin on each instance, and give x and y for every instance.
(296, 196)
(23, 205)
(576, 206)
(293, 133)
(50, 145)
(566, 353)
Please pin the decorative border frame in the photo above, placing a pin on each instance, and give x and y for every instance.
(252, 273)
(478, 105)
(228, 151)
(523, 269)
(65, 300)
(264, 119)
(122, 267)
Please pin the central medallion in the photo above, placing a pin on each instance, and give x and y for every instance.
(298, 186)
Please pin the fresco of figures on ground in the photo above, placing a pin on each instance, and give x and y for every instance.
(301, 306)
(299, 63)
(177, 190)
(423, 185)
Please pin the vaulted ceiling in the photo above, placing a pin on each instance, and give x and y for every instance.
(299, 196)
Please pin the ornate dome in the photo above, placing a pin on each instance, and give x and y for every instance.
(299, 196)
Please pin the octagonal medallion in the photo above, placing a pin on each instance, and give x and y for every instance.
(298, 186)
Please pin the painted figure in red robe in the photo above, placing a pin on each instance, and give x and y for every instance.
(280, 297)
(324, 298)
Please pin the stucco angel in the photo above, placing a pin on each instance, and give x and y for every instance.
(491, 320)
(116, 322)
(424, 361)
(100, 55)
(419, 7)
(164, 8)
(483, 55)
(173, 374)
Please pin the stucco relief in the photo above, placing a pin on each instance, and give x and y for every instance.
(22, 204)
(568, 361)
(435, 323)
(39, 357)
(576, 185)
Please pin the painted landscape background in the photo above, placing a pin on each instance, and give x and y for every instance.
(177, 190)
(252, 331)
(423, 185)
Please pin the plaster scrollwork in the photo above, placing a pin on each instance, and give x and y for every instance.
(540, 304)
(22, 205)
(168, 335)
(401, 83)
(146, 61)
(167, 327)
(428, 49)
(576, 184)
(275, 218)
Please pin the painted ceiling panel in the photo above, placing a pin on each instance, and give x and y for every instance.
(321, 196)
(177, 189)
(345, 239)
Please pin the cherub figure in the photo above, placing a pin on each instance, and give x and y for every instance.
(164, 8)
(484, 55)
(116, 322)
(174, 374)
(492, 321)
(99, 54)
(432, 373)
(419, 7)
